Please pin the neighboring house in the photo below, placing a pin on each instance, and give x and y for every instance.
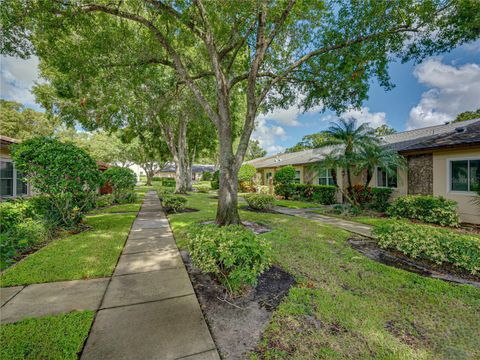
(442, 160)
(11, 181)
(197, 171)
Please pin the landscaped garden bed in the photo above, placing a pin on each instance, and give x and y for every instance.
(344, 303)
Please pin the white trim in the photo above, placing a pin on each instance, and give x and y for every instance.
(14, 181)
(449, 175)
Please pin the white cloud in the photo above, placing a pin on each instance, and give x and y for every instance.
(17, 77)
(267, 136)
(289, 116)
(452, 90)
(473, 46)
(362, 115)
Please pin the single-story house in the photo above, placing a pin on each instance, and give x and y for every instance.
(197, 170)
(442, 160)
(11, 181)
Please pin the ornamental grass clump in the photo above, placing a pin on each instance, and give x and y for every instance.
(432, 243)
(231, 254)
(426, 208)
(262, 202)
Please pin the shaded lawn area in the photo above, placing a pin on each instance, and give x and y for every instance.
(90, 254)
(346, 305)
(134, 207)
(52, 337)
(294, 204)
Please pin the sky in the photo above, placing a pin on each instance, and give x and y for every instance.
(430, 93)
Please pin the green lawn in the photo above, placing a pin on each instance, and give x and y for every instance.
(293, 204)
(135, 207)
(51, 337)
(348, 306)
(90, 254)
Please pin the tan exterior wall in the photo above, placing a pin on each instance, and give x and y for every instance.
(469, 212)
(402, 183)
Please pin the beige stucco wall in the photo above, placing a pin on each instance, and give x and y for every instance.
(469, 212)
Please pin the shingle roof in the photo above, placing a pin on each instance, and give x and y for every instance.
(429, 137)
(196, 168)
(462, 134)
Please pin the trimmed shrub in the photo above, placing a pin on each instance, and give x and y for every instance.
(202, 188)
(380, 198)
(374, 198)
(322, 194)
(174, 203)
(169, 182)
(128, 198)
(245, 177)
(215, 183)
(426, 208)
(65, 173)
(260, 201)
(431, 243)
(206, 176)
(122, 180)
(232, 254)
(104, 200)
(284, 180)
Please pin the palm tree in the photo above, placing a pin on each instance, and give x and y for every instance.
(349, 137)
(372, 156)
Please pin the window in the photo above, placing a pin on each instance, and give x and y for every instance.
(465, 175)
(268, 176)
(297, 177)
(11, 182)
(326, 178)
(386, 180)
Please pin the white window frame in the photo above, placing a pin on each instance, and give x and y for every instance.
(14, 180)
(449, 175)
(386, 179)
(327, 175)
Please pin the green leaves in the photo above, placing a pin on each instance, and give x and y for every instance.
(260, 201)
(432, 243)
(232, 254)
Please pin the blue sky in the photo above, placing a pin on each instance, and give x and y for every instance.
(426, 94)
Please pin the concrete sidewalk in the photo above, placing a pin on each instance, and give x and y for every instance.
(146, 310)
(150, 310)
(354, 227)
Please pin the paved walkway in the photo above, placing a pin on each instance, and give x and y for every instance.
(354, 227)
(146, 310)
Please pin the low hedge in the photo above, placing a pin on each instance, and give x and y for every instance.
(215, 183)
(426, 208)
(202, 188)
(232, 254)
(322, 194)
(260, 201)
(431, 243)
(168, 182)
(376, 198)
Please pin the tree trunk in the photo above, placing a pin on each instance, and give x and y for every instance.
(149, 176)
(227, 210)
(180, 175)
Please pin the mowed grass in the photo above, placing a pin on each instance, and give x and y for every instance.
(90, 254)
(134, 207)
(294, 204)
(348, 306)
(52, 337)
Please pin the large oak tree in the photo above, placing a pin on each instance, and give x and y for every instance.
(271, 51)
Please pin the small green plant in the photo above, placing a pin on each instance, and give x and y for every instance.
(104, 200)
(203, 188)
(432, 243)
(262, 189)
(232, 254)
(322, 194)
(215, 183)
(246, 175)
(260, 202)
(284, 181)
(426, 208)
(380, 198)
(168, 182)
(174, 203)
(122, 180)
(206, 176)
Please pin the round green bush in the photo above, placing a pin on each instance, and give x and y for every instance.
(206, 176)
(215, 183)
(232, 254)
(260, 201)
(284, 180)
(65, 173)
(174, 203)
(122, 180)
(104, 200)
(202, 188)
